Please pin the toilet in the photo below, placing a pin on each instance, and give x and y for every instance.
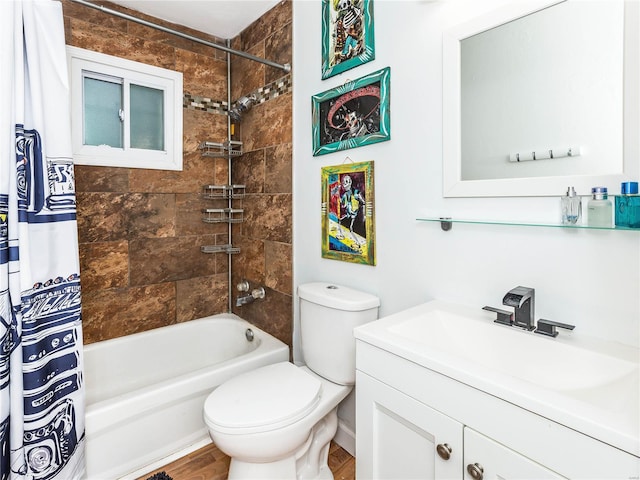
(276, 422)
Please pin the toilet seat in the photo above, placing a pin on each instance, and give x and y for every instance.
(262, 400)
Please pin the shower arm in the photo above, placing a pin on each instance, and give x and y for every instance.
(286, 67)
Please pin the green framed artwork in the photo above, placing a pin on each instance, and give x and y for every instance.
(352, 115)
(348, 222)
(347, 35)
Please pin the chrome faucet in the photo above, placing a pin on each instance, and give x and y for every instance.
(523, 301)
(248, 298)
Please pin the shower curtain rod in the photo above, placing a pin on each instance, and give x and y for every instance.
(286, 67)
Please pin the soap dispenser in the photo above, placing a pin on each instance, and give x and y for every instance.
(571, 205)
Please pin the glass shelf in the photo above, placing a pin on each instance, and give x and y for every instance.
(446, 224)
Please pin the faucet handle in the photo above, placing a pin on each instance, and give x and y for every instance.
(504, 317)
(548, 327)
(258, 293)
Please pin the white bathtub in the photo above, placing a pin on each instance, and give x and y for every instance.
(145, 392)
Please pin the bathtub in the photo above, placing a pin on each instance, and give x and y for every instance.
(145, 392)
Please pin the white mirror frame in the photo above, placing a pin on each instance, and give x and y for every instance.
(454, 186)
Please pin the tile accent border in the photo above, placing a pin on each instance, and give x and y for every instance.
(194, 102)
(263, 94)
(273, 89)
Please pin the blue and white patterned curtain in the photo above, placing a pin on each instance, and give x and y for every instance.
(41, 383)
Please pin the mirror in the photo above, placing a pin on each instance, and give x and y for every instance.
(539, 96)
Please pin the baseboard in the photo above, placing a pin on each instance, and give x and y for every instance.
(346, 438)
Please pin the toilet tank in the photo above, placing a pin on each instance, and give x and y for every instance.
(328, 315)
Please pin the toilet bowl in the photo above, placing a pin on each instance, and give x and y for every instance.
(277, 422)
(291, 409)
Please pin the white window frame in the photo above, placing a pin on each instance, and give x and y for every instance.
(170, 82)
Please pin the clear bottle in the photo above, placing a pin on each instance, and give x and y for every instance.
(599, 208)
(571, 205)
(628, 206)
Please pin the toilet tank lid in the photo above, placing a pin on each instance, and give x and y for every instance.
(337, 296)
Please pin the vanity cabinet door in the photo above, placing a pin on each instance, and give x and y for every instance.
(399, 438)
(485, 459)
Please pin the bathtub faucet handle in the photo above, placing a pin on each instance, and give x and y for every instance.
(258, 293)
(243, 286)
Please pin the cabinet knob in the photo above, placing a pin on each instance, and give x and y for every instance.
(475, 470)
(444, 450)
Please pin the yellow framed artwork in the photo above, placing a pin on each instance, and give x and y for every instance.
(348, 222)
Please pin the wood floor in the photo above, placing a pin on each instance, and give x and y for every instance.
(209, 463)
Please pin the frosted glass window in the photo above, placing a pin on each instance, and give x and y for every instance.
(102, 112)
(147, 117)
(124, 113)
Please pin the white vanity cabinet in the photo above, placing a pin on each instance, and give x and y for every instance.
(413, 422)
(400, 438)
(487, 459)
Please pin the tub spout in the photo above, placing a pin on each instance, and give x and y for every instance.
(244, 300)
(256, 293)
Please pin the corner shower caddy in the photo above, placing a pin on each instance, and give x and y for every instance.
(230, 192)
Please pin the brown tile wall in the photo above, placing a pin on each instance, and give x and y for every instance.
(265, 237)
(140, 231)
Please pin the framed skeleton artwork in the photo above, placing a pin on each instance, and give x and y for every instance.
(352, 115)
(347, 35)
(348, 222)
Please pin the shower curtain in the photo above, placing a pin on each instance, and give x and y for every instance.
(41, 384)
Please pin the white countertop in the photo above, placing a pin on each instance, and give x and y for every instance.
(583, 383)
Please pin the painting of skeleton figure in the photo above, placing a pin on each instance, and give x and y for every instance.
(348, 226)
(352, 115)
(347, 35)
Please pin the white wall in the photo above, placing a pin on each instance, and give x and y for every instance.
(587, 278)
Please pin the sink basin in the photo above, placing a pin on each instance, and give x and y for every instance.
(543, 361)
(584, 383)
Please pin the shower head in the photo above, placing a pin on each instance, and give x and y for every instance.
(243, 104)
